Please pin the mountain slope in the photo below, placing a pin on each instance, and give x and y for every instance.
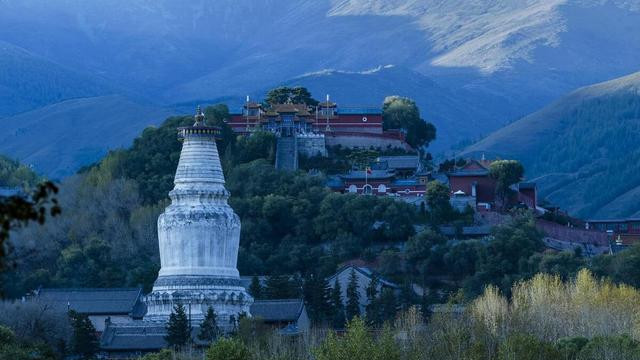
(582, 149)
(28, 81)
(512, 57)
(58, 139)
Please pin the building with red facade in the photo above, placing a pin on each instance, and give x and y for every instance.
(617, 226)
(378, 182)
(349, 127)
(472, 180)
(388, 175)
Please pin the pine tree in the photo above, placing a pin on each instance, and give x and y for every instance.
(407, 296)
(255, 289)
(353, 298)
(84, 341)
(388, 305)
(281, 287)
(209, 328)
(233, 322)
(327, 307)
(310, 295)
(373, 308)
(338, 319)
(178, 328)
(425, 303)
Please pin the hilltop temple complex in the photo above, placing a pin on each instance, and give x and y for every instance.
(308, 130)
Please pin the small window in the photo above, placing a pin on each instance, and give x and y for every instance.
(353, 188)
(382, 188)
(364, 119)
(368, 189)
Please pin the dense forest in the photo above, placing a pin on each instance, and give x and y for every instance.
(597, 164)
(291, 223)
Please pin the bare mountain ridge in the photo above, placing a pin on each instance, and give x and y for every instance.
(493, 62)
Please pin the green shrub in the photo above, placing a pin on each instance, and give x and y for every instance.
(358, 344)
(526, 347)
(164, 354)
(570, 347)
(610, 348)
(228, 349)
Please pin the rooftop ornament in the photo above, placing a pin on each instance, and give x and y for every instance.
(199, 117)
(199, 128)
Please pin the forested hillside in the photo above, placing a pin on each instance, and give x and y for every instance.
(60, 138)
(28, 81)
(292, 223)
(581, 150)
(16, 175)
(297, 231)
(107, 235)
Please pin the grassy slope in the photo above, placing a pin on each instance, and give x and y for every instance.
(28, 81)
(582, 149)
(58, 139)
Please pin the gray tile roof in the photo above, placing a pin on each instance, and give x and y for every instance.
(245, 281)
(335, 182)
(95, 301)
(400, 162)
(473, 172)
(375, 174)
(277, 310)
(364, 271)
(526, 185)
(11, 191)
(478, 230)
(371, 110)
(141, 336)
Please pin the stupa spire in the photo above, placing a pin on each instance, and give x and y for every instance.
(198, 235)
(199, 117)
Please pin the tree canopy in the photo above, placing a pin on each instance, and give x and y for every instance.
(403, 113)
(178, 328)
(294, 95)
(505, 173)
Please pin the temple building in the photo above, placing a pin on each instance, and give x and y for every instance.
(402, 176)
(471, 184)
(308, 130)
(326, 117)
(472, 180)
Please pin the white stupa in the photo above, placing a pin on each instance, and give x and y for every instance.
(198, 235)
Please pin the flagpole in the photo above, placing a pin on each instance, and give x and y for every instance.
(247, 106)
(327, 110)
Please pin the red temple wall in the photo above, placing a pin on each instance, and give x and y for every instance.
(485, 187)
